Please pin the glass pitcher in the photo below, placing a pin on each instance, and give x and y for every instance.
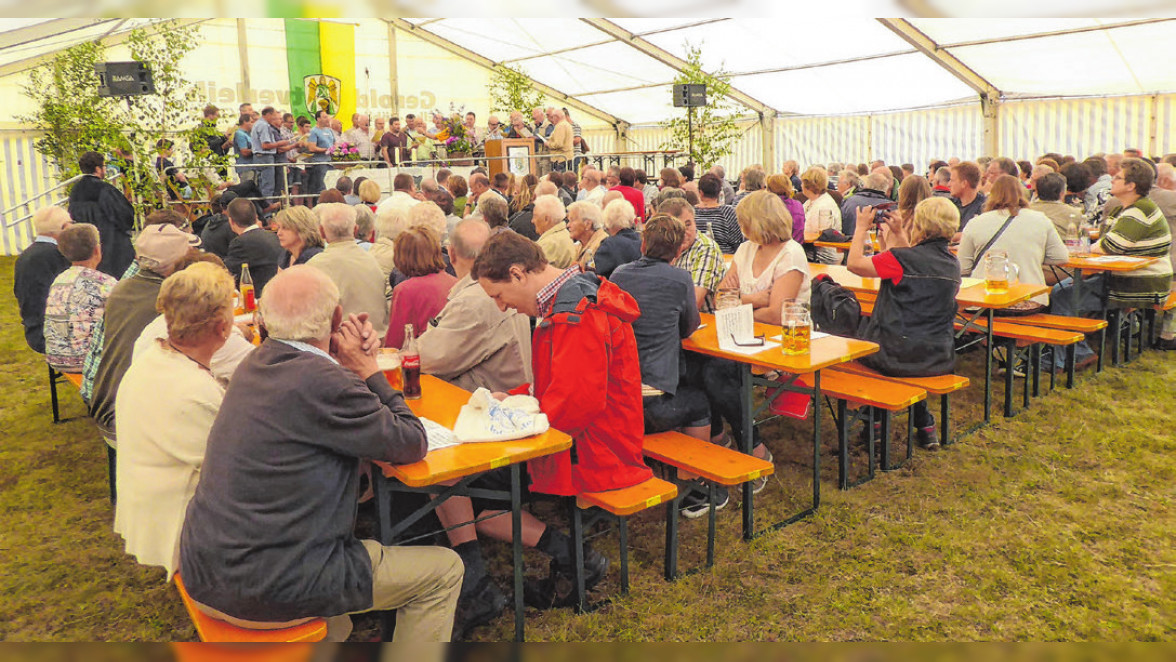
(999, 272)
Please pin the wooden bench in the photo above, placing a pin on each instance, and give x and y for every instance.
(619, 505)
(215, 630)
(1154, 315)
(890, 397)
(1022, 340)
(56, 378)
(941, 385)
(701, 460)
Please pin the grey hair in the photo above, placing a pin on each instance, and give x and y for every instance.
(618, 215)
(587, 211)
(493, 209)
(365, 220)
(390, 222)
(850, 176)
(879, 181)
(429, 215)
(457, 244)
(299, 310)
(337, 220)
(50, 220)
(549, 207)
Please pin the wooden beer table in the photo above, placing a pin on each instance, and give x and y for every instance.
(441, 402)
(824, 352)
(972, 295)
(1079, 264)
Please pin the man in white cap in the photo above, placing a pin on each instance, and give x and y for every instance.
(131, 307)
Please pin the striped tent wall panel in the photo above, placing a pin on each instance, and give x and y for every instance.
(26, 174)
(1165, 140)
(1078, 127)
(919, 137)
(812, 140)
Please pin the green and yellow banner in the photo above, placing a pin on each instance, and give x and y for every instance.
(321, 59)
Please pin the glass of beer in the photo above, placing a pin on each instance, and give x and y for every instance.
(728, 297)
(999, 272)
(389, 361)
(797, 328)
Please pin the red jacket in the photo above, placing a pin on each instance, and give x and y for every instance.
(635, 198)
(588, 382)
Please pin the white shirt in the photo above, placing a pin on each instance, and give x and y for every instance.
(790, 258)
(165, 407)
(1031, 240)
(398, 200)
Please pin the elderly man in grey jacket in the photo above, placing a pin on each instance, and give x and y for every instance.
(472, 343)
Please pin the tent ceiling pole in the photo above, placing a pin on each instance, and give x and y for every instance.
(115, 40)
(486, 62)
(243, 54)
(393, 72)
(53, 28)
(767, 124)
(670, 60)
(990, 96)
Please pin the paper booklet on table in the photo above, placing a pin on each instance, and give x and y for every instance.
(735, 329)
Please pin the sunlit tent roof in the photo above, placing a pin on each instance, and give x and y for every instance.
(624, 66)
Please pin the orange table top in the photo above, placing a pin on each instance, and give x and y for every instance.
(1107, 262)
(441, 402)
(975, 295)
(825, 352)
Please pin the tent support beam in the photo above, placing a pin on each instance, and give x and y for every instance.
(243, 54)
(108, 41)
(990, 96)
(393, 71)
(665, 57)
(767, 124)
(486, 62)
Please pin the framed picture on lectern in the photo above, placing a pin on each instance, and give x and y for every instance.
(516, 159)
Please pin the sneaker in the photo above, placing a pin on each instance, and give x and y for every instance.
(696, 504)
(928, 437)
(758, 484)
(478, 606)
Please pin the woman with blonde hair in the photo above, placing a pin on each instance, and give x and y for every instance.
(524, 193)
(159, 465)
(422, 295)
(369, 193)
(821, 211)
(769, 267)
(298, 233)
(914, 315)
(1028, 237)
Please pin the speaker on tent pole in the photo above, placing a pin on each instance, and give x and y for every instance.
(124, 79)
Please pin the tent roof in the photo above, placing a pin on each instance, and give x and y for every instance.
(805, 65)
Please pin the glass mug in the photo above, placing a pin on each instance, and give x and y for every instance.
(797, 326)
(999, 272)
(728, 297)
(388, 360)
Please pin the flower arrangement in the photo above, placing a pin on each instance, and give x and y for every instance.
(453, 135)
(344, 151)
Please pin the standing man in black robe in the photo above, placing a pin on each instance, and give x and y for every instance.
(96, 202)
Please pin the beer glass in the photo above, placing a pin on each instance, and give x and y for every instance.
(797, 328)
(999, 272)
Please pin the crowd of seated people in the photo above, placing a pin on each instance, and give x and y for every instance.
(576, 289)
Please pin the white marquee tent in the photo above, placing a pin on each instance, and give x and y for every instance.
(811, 89)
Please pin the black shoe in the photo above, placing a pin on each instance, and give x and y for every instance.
(696, 504)
(477, 607)
(558, 588)
(1169, 344)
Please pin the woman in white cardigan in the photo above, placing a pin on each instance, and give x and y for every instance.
(820, 211)
(167, 403)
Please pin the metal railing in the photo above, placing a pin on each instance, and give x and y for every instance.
(27, 203)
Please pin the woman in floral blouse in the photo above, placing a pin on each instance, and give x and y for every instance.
(76, 299)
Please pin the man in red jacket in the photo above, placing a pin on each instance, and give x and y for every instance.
(587, 378)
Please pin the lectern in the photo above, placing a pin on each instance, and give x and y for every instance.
(510, 155)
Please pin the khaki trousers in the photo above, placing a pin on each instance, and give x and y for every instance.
(420, 583)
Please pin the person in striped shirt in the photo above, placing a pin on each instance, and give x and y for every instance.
(1137, 229)
(721, 219)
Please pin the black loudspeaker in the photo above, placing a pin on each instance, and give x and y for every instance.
(124, 79)
(689, 95)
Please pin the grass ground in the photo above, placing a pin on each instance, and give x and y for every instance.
(1054, 525)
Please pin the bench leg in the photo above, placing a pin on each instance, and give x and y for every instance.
(1115, 326)
(578, 555)
(1036, 361)
(671, 562)
(111, 467)
(910, 433)
(623, 528)
(945, 418)
(1129, 319)
(53, 377)
(885, 441)
(843, 444)
(710, 525)
(1030, 353)
(1010, 364)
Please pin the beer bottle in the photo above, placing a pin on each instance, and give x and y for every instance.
(410, 366)
(248, 296)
